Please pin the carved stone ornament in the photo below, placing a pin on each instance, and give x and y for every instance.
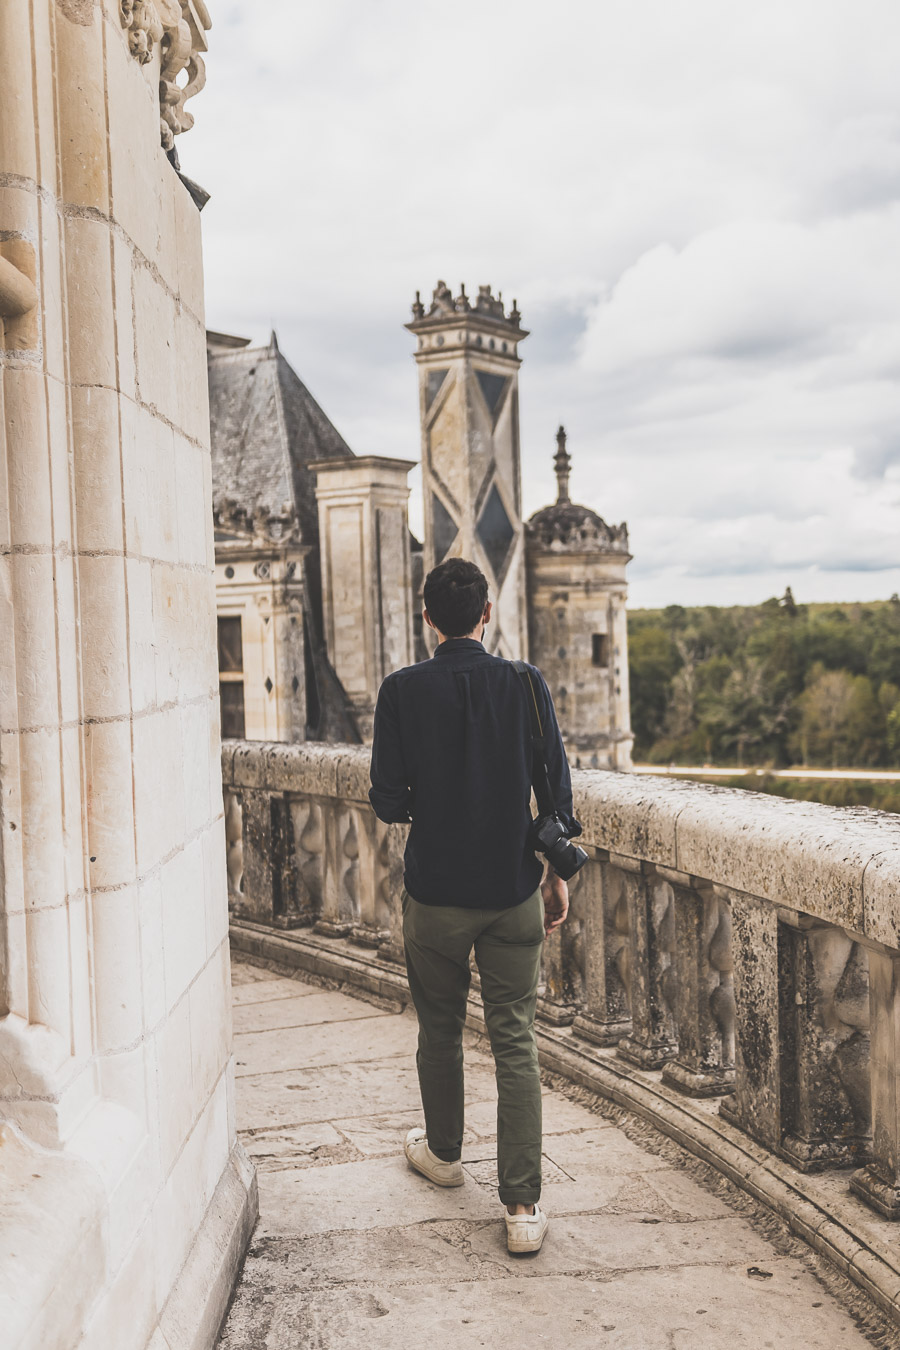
(179, 27)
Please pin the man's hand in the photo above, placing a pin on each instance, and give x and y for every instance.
(555, 895)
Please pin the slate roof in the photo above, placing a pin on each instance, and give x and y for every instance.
(265, 426)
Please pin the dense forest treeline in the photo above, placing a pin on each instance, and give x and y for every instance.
(774, 684)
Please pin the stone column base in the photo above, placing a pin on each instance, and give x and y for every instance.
(598, 1031)
(818, 1155)
(330, 928)
(881, 1195)
(698, 1082)
(557, 1014)
(366, 935)
(645, 1056)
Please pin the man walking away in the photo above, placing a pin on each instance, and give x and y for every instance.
(452, 755)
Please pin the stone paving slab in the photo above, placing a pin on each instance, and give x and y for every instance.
(307, 1047)
(272, 1014)
(261, 991)
(355, 1251)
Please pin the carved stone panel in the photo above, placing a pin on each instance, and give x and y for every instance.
(703, 994)
(825, 1103)
(564, 956)
(309, 857)
(756, 1104)
(651, 943)
(606, 1016)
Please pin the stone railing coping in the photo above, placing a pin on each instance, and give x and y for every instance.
(837, 864)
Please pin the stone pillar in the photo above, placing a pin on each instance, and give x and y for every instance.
(114, 1011)
(704, 991)
(564, 961)
(756, 1104)
(651, 940)
(879, 1183)
(468, 362)
(824, 1021)
(606, 1015)
(366, 573)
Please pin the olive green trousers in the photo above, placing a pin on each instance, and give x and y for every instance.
(508, 943)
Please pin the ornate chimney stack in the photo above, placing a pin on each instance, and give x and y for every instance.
(467, 355)
(562, 462)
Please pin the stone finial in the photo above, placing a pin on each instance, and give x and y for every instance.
(514, 315)
(442, 299)
(462, 300)
(562, 462)
(418, 309)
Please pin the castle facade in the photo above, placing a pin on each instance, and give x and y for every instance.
(319, 579)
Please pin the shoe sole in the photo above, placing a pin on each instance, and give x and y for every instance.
(521, 1248)
(437, 1181)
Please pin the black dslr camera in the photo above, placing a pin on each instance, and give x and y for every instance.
(547, 834)
(549, 838)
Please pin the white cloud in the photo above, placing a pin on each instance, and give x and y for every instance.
(696, 206)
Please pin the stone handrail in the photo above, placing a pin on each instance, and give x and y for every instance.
(744, 946)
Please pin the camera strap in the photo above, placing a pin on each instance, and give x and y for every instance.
(540, 779)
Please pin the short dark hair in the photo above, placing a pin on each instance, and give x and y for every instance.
(456, 593)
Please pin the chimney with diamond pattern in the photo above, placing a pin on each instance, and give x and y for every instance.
(468, 362)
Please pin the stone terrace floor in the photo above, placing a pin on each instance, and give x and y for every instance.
(354, 1251)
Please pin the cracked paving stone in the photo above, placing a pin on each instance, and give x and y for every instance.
(355, 1251)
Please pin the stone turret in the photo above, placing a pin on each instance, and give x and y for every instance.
(468, 361)
(577, 622)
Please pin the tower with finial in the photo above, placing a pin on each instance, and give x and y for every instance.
(578, 635)
(468, 363)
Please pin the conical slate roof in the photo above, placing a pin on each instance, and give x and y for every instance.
(265, 427)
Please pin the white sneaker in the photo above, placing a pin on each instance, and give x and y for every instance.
(420, 1156)
(525, 1232)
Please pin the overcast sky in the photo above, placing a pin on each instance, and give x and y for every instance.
(695, 203)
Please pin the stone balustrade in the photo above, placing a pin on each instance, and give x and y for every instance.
(723, 944)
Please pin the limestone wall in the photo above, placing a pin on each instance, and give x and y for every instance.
(124, 1201)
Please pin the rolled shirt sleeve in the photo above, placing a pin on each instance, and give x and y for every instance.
(390, 792)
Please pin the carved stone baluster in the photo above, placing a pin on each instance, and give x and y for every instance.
(340, 909)
(369, 931)
(879, 1183)
(651, 940)
(309, 847)
(825, 1103)
(332, 919)
(703, 991)
(756, 1104)
(234, 844)
(285, 909)
(605, 1017)
(563, 976)
(389, 879)
(255, 898)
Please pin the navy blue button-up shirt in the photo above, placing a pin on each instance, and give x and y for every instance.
(452, 754)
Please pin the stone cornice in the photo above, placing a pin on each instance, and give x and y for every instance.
(178, 29)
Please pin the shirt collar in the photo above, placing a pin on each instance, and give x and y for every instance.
(458, 644)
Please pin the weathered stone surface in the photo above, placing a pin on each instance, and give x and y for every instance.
(312, 1006)
(705, 1308)
(250, 989)
(364, 1251)
(379, 1035)
(115, 1053)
